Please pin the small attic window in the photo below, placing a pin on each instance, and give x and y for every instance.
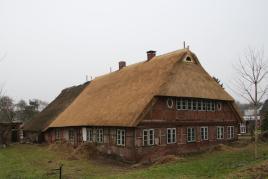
(188, 59)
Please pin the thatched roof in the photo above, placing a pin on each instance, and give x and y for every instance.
(120, 97)
(42, 120)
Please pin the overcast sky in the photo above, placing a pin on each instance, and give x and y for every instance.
(49, 45)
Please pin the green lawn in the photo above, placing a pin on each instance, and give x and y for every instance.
(35, 161)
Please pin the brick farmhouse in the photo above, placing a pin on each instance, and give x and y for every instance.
(167, 104)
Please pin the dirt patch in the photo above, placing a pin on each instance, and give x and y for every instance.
(222, 147)
(85, 151)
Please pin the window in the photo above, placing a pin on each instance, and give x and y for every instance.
(218, 106)
(213, 106)
(199, 105)
(208, 105)
(189, 104)
(190, 134)
(171, 135)
(57, 134)
(230, 132)
(89, 134)
(188, 59)
(194, 105)
(148, 137)
(204, 107)
(220, 132)
(243, 128)
(71, 134)
(120, 137)
(178, 104)
(169, 103)
(204, 133)
(184, 104)
(99, 135)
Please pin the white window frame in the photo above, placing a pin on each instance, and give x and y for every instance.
(220, 132)
(168, 103)
(149, 141)
(171, 136)
(121, 137)
(184, 104)
(204, 105)
(71, 134)
(190, 104)
(99, 135)
(204, 133)
(243, 129)
(199, 105)
(213, 106)
(188, 59)
(178, 104)
(195, 105)
(57, 134)
(191, 134)
(230, 132)
(89, 134)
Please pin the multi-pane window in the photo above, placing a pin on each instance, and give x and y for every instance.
(184, 104)
(194, 105)
(208, 105)
(220, 132)
(171, 135)
(57, 134)
(189, 104)
(230, 132)
(199, 105)
(99, 135)
(213, 106)
(148, 137)
(204, 107)
(178, 104)
(190, 134)
(89, 134)
(204, 133)
(71, 134)
(120, 137)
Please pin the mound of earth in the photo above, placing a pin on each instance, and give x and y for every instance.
(222, 147)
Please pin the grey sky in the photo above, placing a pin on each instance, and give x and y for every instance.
(53, 44)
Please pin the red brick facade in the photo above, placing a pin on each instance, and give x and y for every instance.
(159, 117)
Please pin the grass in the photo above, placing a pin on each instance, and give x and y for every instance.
(34, 161)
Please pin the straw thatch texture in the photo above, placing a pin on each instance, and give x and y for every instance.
(42, 120)
(119, 98)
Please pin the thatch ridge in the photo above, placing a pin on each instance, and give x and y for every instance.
(119, 98)
(43, 119)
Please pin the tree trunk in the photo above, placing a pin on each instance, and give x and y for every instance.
(256, 122)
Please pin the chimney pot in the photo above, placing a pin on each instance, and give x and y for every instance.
(122, 64)
(150, 54)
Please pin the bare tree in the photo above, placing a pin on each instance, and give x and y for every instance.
(251, 82)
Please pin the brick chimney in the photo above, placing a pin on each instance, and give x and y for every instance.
(122, 64)
(150, 54)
